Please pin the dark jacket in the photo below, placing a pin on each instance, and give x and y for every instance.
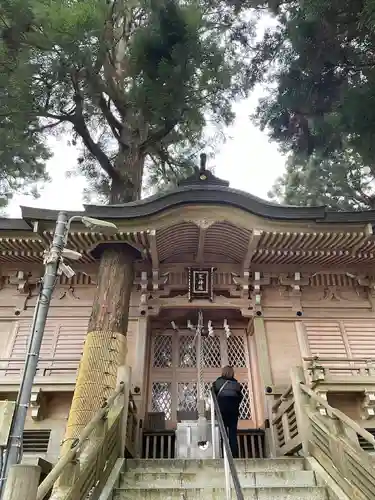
(228, 393)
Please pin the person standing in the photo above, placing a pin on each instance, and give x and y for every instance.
(229, 396)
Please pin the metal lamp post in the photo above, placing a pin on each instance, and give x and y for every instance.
(53, 266)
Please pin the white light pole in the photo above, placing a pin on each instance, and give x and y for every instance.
(54, 265)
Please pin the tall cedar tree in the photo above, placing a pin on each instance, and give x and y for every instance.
(133, 82)
(320, 106)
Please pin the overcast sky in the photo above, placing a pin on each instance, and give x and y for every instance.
(247, 159)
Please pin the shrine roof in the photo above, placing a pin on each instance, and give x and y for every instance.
(198, 194)
(202, 188)
(204, 220)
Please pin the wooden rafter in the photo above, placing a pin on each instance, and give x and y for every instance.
(153, 250)
(251, 248)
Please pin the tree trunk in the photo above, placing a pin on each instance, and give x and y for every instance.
(105, 345)
(130, 165)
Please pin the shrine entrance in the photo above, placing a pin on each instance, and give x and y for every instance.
(175, 363)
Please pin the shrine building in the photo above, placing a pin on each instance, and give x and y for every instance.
(275, 286)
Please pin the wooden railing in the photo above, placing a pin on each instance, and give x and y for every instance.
(158, 444)
(12, 367)
(84, 469)
(161, 444)
(284, 424)
(329, 436)
(320, 369)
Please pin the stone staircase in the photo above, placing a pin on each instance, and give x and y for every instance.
(261, 479)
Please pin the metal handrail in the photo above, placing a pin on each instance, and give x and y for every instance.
(229, 465)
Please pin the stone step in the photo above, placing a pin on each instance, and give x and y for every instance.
(187, 480)
(249, 465)
(315, 493)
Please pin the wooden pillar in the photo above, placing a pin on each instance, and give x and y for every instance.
(140, 353)
(264, 368)
(138, 370)
(22, 482)
(264, 362)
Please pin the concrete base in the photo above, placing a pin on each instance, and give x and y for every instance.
(187, 435)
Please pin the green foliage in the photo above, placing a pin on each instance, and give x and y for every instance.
(340, 183)
(22, 153)
(324, 74)
(321, 104)
(134, 82)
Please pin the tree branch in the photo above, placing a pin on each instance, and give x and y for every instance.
(114, 124)
(158, 135)
(80, 127)
(97, 94)
(46, 127)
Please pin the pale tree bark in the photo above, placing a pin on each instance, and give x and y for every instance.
(105, 346)
(130, 165)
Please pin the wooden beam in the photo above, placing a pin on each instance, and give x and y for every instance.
(251, 248)
(153, 250)
(261, 342)
(200, 252)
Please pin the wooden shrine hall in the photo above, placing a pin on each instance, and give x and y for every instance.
(274, 287)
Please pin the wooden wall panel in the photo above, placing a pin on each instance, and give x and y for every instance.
(361, 338)
(325, 339)
(340, 339)
(283, 347)
(63, 339)
(348, 403)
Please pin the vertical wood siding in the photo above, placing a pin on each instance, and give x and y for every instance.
(340, 339)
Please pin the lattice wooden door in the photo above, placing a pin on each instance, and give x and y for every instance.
(174, 371)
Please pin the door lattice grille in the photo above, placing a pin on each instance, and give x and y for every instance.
(187, 351)
(245, 412)
(211, 352)
(162, 398)
(187, 396)
(174, 372)
(236, 351)
(162, 351)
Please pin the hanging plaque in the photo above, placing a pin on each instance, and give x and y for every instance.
(201, 283)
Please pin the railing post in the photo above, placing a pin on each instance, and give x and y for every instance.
(370, 365)
(301, 404)
(124, 376)
(22, 482)
(68, 478)
(336, 431)
(270, 432)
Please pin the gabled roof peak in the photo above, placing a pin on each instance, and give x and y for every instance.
(203, 177)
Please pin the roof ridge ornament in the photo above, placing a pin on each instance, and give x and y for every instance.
(203, 158)
(202, 176)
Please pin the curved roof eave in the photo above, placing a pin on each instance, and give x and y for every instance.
(213, 195)
(205, 195)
